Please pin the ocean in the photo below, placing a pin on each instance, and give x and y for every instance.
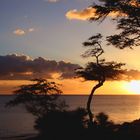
(120, 108)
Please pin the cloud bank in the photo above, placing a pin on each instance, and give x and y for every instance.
(22, 67)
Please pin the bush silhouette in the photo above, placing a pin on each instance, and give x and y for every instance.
(102, 119)
(62, 124)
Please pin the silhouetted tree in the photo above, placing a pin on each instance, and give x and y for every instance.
(62, 124)
(39, 98)
(102, 119)
(99, 70)
(126, 13)
(104, 125)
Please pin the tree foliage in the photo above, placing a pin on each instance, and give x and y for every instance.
(62, 124)
(126, 13)
(39, 98)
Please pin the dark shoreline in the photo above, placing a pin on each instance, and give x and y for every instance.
(19, 137)
(85, 95)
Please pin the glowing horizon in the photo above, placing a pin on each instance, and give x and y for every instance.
(77, 87)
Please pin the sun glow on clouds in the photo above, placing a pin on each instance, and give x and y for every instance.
(88, 13)
(81, 15)
(19, 32)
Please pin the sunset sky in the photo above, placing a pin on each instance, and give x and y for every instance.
(43, 38)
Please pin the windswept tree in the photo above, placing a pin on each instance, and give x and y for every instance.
(39, 98)
(99, 70)
(126, 13)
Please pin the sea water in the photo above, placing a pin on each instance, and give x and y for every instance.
(119, 108)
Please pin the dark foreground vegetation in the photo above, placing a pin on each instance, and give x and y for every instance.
(73, 125)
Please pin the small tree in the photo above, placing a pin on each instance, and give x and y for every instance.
(99, 70)
(38, 98)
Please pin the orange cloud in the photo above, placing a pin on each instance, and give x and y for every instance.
(134, 3)
(88, 13)
(19, 32)
(81, 15)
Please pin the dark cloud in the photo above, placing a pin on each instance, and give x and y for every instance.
(15, 66)
(22, 67)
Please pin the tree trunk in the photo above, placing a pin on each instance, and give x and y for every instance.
(90, 114)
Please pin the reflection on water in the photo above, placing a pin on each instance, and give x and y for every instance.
(120, 108)
(15, 121)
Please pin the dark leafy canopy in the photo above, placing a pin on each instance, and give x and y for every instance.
(100, 69)
(107, 70)
(39, 98)
(127, 18)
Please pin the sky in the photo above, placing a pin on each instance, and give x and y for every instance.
(43, 38)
